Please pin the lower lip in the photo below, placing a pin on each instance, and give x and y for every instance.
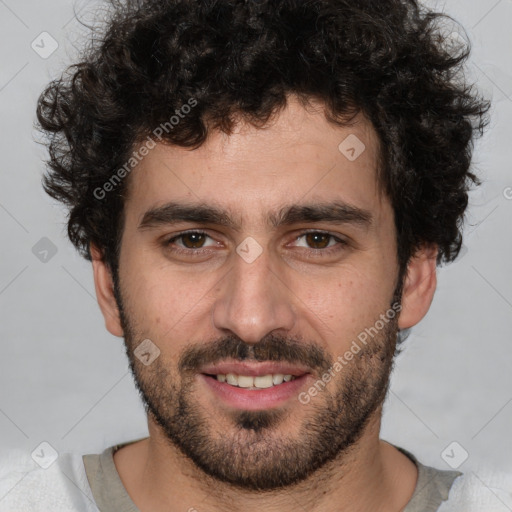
(255, 399)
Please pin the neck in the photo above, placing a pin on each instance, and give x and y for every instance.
(371, 475)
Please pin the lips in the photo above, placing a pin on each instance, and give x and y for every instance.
(251, 399)
(246, 385)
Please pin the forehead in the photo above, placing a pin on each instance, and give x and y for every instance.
(297, 157)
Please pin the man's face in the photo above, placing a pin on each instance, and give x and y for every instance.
(281, 291)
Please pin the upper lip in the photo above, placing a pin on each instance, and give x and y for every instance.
(254, 369)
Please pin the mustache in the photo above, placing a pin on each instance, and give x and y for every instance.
(271, 348)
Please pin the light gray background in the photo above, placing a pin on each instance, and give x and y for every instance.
(65, 380)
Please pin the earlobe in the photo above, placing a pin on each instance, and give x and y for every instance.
(104, 285)
(419, 286)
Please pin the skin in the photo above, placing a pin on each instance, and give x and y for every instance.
(181, 302)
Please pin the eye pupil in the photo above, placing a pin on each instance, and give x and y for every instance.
(196, 238)
(313, 238)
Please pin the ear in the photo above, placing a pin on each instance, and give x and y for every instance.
(419, 286)
(104, 285)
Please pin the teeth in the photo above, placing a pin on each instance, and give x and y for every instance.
(277, 378)
(245, 381)
(232, 379)
(260, 382)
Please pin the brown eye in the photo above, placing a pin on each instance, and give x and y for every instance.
(193, 240)
(319, 240)
(320, 243)
(189, 242)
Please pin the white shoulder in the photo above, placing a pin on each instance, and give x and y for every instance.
(478, 490)
(26, 485)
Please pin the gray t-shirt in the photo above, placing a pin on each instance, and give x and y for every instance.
(432, 487)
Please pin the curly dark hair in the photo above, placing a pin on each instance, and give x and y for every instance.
(389, 60)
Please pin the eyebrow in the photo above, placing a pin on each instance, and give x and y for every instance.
(335, 212)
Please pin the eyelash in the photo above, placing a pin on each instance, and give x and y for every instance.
(200, 250)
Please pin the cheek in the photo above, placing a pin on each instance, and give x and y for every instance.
(347, 302)
(163, 302)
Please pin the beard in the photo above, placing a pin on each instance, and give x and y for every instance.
(254, 452)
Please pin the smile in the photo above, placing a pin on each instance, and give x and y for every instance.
(250, 382)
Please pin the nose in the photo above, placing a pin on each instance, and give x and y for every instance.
(253, 300)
